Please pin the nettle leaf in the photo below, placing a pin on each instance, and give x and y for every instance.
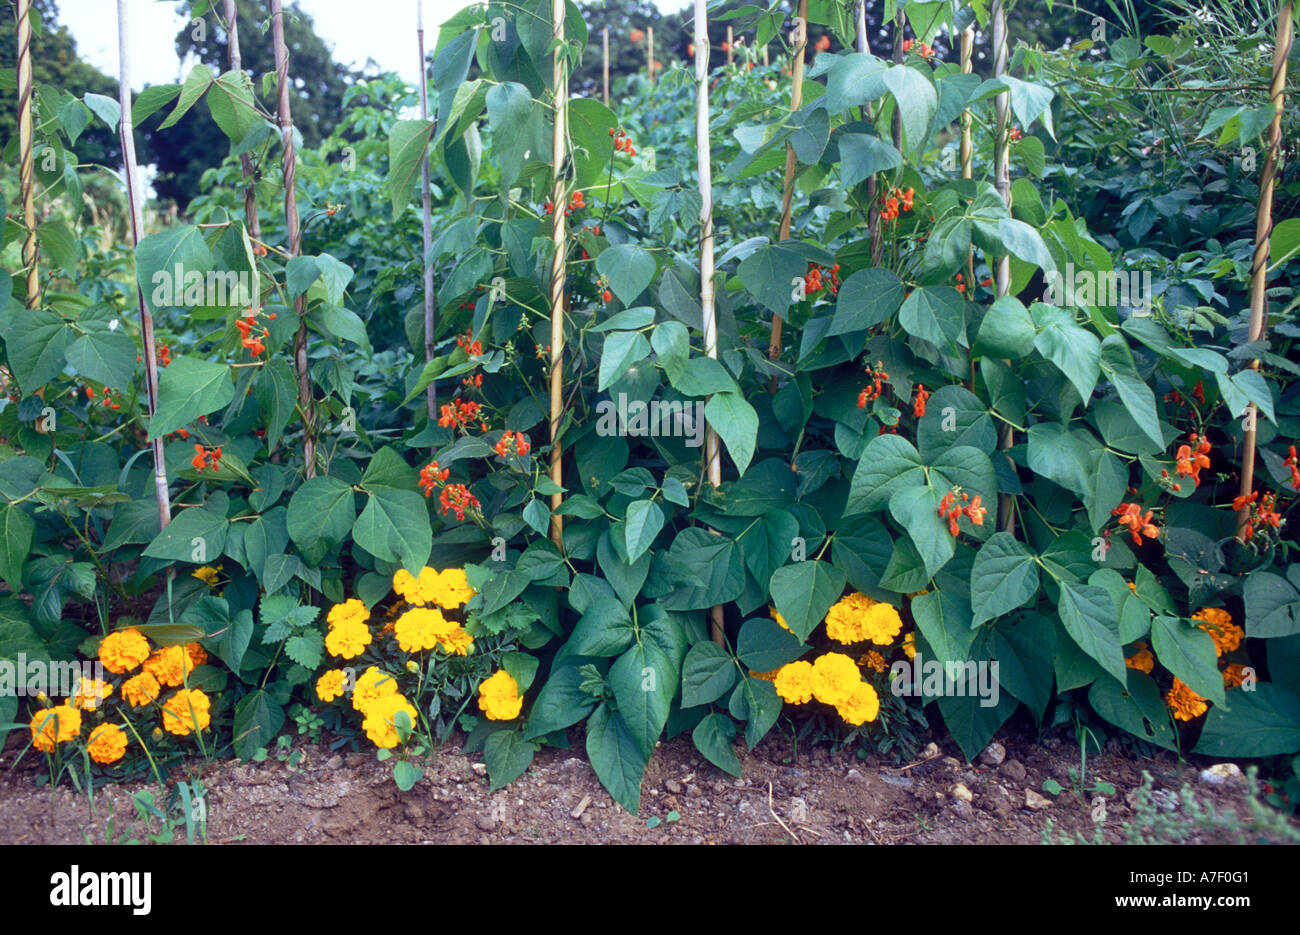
(306, 649)
(804, 591)
(628, 269)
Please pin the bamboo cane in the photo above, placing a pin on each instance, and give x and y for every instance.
(650, 52)
(1263, 229)
(161, 493)
(899, 25)
(251, 220)
(704, 169)
(27, 170)
(730, 45)
(604, 63)
(426, 200)
(800, 39)
(967, 45)
(305, 402)
(766, 59)
(559, 239)
(1002, 181)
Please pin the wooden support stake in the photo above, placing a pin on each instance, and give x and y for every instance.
(127, 131)
(731, 45)
(650, 53)
(27, 168)
(604, 63)
(1002, 181)
(704, 170)
(1263, 230)
(863, 45)
(285, 116)
(799, 37)
(560, 168)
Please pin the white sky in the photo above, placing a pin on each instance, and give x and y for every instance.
(383, 30)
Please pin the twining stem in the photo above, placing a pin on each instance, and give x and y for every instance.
(1002, 180)
(873, 189)
(251, 219)
(150, 355)
(1263, 230)
(561, 168)
(305, 402)
(27, 169)
(704, 170)
(426, 199)
(799, 37)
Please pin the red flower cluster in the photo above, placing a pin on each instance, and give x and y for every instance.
(623, 142)
(814, 282)
(456, 498)
(458, 412)
(951, 508)
(890, 200)
(1192, 462)
(1264, 513)
(636, 35)
(246, 336)
(467, 344)
(431, 476)
(475, 382)
(107, 401)
(1139, 525)
(576, 203)
(961, 286)
(823, 44)
(918, 404)
(1015, 134)
(1178, 399)
(512, 443)
(922, 49)
(206, 458)
(878, 379)
(1293, 465)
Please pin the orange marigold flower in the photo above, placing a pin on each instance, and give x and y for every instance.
(1185, 704)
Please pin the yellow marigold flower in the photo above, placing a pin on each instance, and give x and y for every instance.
(198, 655)
(207, 574)
(765, 676)
(380, 722)
(860, 705)
(909, 646)
(169, 665)
(350, 611)
(403, 583)
(457, 643)
(421, 627)
(873, 660)
(330, 685)
(1233, 674)
(1227, 635)
(348, 639)
(452, 589)
(140, 689)
(1184, 703)
(55, 725)
(90, 693)
(834, 678)
(794, 682)
(857, 618)
(1142, 660)
(775, 615)
(499, 697)
(106, 744)
(186, 711)
(371, 686)
(123, 650)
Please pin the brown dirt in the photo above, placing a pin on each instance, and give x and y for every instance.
(819, 797)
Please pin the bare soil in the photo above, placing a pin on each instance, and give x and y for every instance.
(817, 797)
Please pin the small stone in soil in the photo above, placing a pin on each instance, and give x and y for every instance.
(959, 791)
(993, 754)
(1035, 801)
(856, 776)
(1223, 774)
(673, 786)
(1013, 770)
